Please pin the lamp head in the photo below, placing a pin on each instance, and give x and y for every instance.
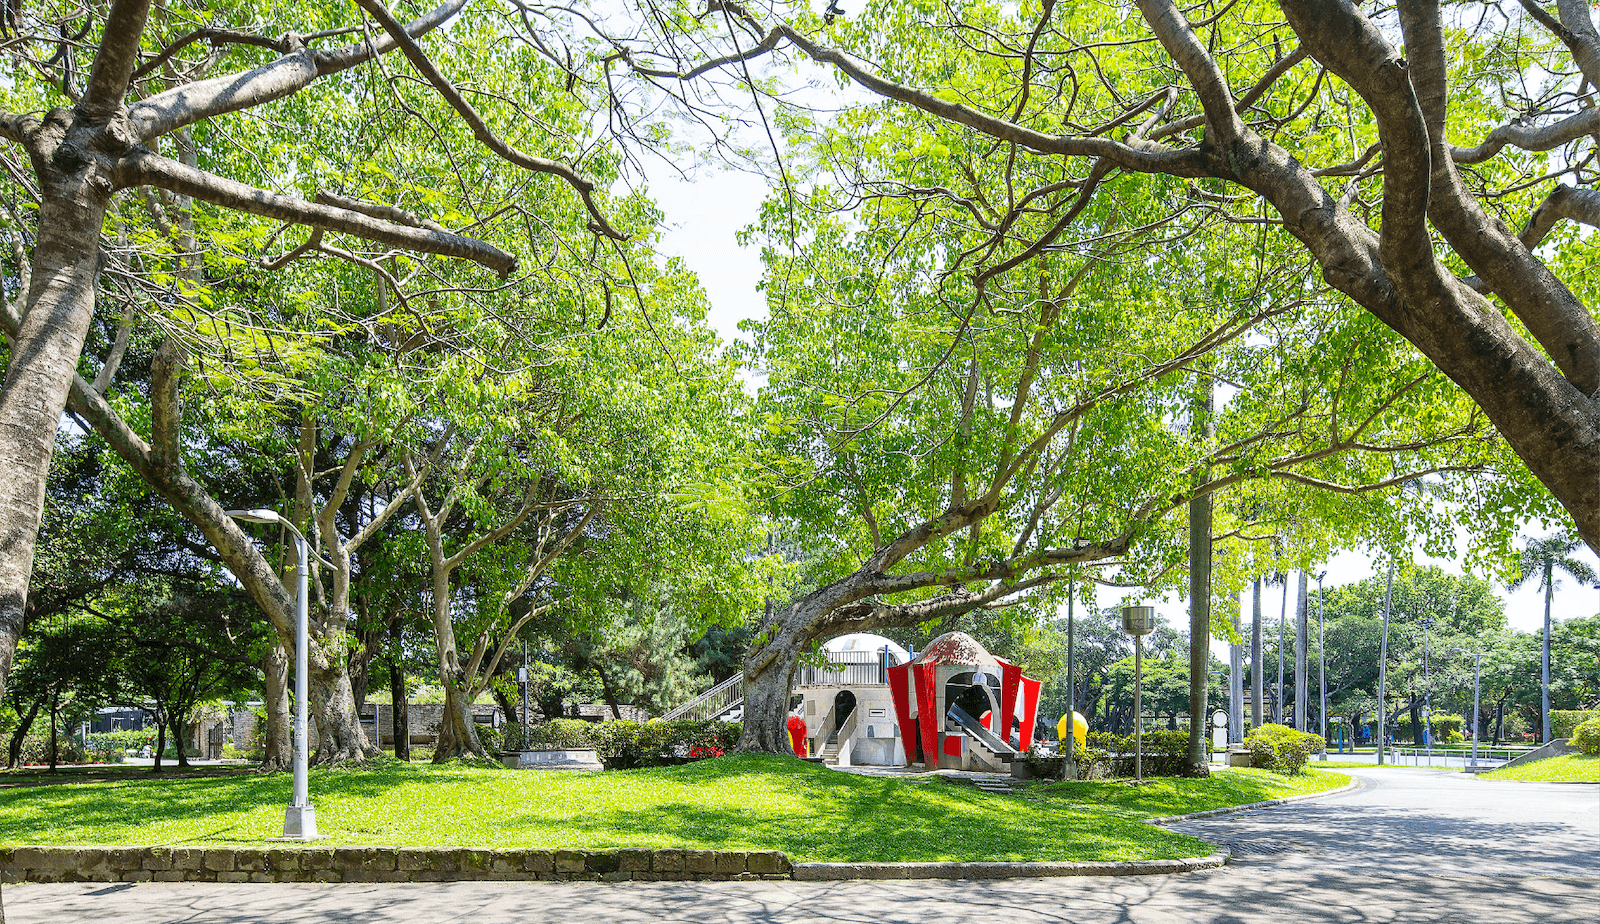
(258, 515)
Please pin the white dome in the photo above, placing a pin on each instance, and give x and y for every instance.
(866, 641)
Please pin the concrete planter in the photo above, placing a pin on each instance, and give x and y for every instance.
(523, 760)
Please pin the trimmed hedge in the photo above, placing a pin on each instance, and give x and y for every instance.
(1281, 748)
(1564, 722)
(1586, 737)
(1104, 756)
(625, 745)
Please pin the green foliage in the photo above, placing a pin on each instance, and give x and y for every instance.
(1447, 729)
(556, 734)
(1564, 722)
(1586, 736)
(630, 745)
(1281, 748)
(1106, 755)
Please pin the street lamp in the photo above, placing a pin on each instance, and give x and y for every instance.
(300, 820)
(1427, 692)
(1477, 663)
(1322, 665)
(1139, 621)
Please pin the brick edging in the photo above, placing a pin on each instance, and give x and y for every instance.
(380, 864)
(1355, 783)
(836, 871)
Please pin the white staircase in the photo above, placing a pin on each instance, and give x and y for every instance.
(724, 702)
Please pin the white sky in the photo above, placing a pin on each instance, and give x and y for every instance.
(703, 216)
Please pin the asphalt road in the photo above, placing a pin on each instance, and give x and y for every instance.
(1409, 846)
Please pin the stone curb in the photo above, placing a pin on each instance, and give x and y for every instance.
(816, 872)
(381, 864)
(1229, 810)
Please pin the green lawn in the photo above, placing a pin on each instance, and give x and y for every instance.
(1568, 768)
(733, 803)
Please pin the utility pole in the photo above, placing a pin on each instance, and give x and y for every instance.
(1283, 619)
(1383, 662)
(1322, 664)
(1301, 644)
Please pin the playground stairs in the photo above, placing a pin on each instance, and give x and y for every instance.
(992, 784)
(724, 702)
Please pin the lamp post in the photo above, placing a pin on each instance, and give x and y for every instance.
(300, 820)
(1139, 621)
(1322, 666)
(1383, 663)
(1070, 764)
(1427, 692)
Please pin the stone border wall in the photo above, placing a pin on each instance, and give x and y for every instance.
(379, 864)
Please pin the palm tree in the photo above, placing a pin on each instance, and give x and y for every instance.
(1541, 559)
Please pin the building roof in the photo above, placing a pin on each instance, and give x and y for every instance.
(956, 648)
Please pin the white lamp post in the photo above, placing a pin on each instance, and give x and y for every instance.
(300, 820)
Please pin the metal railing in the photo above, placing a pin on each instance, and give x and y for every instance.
(845, 669)
(1488, 757)
(712, 703)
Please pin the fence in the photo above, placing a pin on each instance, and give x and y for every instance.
(845, 669)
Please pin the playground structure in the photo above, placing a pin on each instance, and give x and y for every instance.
(963, 708)
(846, 704)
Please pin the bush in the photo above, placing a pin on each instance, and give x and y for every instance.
(490, 737)
(1564, 722)
(1447, 729)
(127, 739)
(1586, 737)
(1281, 748)
(627, 745)
(556, 734)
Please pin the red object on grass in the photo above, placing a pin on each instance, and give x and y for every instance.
(797, 735)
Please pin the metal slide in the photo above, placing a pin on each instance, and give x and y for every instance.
(987, 739)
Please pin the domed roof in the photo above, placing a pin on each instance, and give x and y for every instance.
(866, 641)
(956, 648)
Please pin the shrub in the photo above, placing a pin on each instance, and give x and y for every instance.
(627, 745)
(1447, 729)
(1281, 748)
(1564, 722)
(1586, 737)
(490, 737)
(558, 734)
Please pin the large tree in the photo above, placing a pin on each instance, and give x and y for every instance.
(156, 81)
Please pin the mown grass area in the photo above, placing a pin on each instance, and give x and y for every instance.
(1567, 768)
(731, 803)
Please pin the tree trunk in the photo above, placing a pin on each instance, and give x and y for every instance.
(14, 752)
(43, 360)
(399, 715)
(1199, 762)
(1416, 723)
(1257, 675)
(161, 737)
(277, 737)
(55, 703)
(610, 694)
(1302, 641)
(767, 693)
(175, 719)
(339, 737)
(458, 734)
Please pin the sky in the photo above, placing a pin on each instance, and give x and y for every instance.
(706, 212)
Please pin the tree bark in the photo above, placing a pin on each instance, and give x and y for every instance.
(175, 719)
(399, 714)
(1199, 762)
(14, 751)
(43, 360)
(278, 747)
(161, 737)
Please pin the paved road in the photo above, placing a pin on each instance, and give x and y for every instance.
(1409, 846)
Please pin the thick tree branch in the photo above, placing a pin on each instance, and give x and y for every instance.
(283, 77)
(115, 60)
(1581, 205)
(142, 168)
(480, 129)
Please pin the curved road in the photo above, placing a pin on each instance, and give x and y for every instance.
(1408, 846)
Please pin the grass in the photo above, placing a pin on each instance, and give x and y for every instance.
(733, 803)
(1567, 768)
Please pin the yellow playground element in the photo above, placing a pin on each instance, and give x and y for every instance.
(1080, 728)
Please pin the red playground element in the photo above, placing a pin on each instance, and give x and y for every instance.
(953, 665)
(797, 735)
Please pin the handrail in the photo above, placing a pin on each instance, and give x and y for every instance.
(713, 702)
(820, 739)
